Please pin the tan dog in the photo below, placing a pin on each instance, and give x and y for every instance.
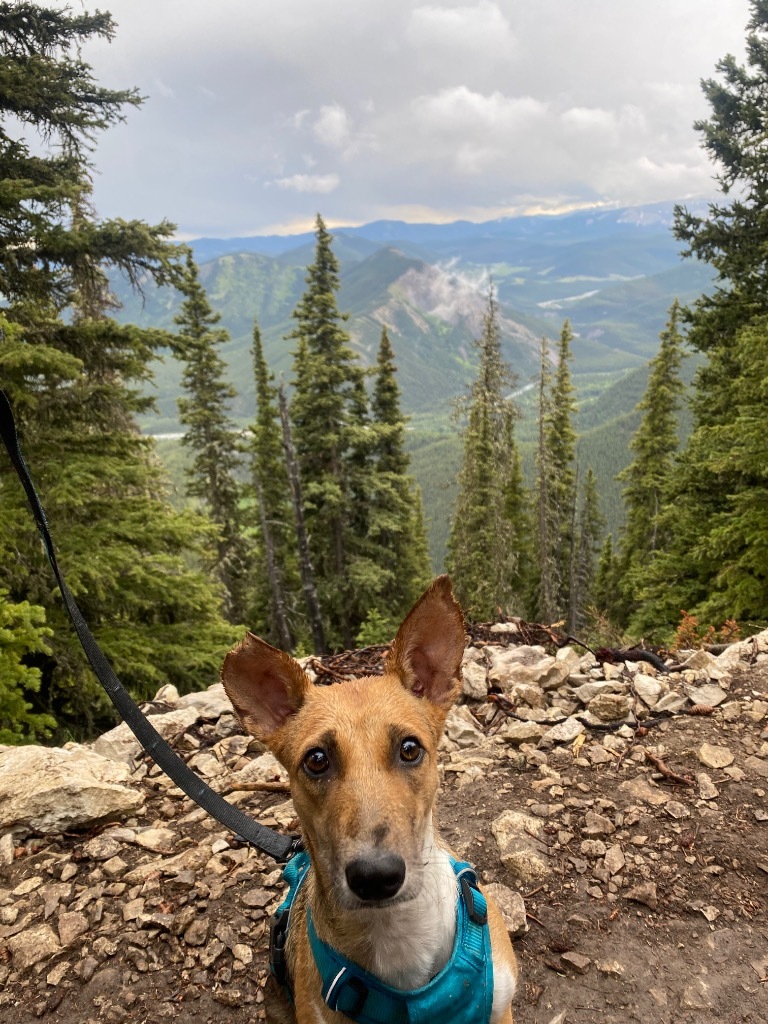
(362, 761)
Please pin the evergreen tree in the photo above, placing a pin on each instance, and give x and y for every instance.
(606, 588)
(481, 556)
(395, 524)
(555, 489)
(713, 561)
(275, 571)
(589, 530)
(212, 439)
(327, 427)
(648, 477)
(73, 375)
(23, 635)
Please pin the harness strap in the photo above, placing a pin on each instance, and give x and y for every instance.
(266, 839)
(464, 986)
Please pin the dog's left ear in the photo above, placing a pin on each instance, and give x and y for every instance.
(265, 685)
(429, 645)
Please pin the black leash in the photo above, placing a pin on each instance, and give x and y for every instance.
(246, 829)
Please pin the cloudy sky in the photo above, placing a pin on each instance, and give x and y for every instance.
(259, 113)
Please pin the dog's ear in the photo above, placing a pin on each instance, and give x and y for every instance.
(264, 685)
(429, 645)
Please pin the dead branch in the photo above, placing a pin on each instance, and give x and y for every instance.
(658, 764)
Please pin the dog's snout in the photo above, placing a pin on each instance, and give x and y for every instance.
(376, 876)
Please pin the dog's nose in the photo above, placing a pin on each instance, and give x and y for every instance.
(376, 876)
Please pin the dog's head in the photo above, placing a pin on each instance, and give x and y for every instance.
(361, 755)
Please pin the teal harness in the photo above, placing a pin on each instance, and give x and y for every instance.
(461, 992)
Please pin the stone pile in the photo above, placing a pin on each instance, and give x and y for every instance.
(111, 880)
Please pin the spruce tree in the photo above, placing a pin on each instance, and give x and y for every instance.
(555, 489)
(648, 477)
(561, 444)
(481, 555)
(326, 415)
(589, 530)
(24, 637)
(395, 526)
(606, 588)
(74, 377)
(275, 570)
(212, 439)
(713, 561)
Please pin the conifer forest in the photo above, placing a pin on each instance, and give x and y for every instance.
(295, 509)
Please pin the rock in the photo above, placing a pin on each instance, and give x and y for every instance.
(710, 694)
(516, 835)
(640, 789)
(474, 675)
(167, 694)
(565, 732)
(119, 744)
(676, 810)
(610, 707)
(265, 768)
(512, 908)
(6, 850)
(577, 961)
(715, 757)
(461, 729)
(588, 691)
(32, 945)
(522, 732)
(611, 967)
(614, 859)
(597, 825)
(705, 663)
(71, 926)
(47, 789)
(757, 766)
(647, 689)
(197, 932)
(644, 893)
(672, 702)
(707, 789)
(159, 840)
(210, 704)
(533, 696)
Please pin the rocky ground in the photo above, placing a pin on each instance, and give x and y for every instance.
(625, 805)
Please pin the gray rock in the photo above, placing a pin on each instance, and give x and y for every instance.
(644, 893)
(710, 694)
(32, 945)
(715, 757)
(461, 729)
(610, 707)
(566, 732)
(757, 766)
(522, 732)
(588, 691)
(516, 835)
(474, 675)
(614, 859)
(512, 908)
(53, 790)
(119, 744)
(647, 688)
(577, 961)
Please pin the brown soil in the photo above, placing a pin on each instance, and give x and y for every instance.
(700, 954)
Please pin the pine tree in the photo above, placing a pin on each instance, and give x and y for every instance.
(713, 562)
(648, 477)
(395, 525)
(606, 588)
(275, 569)
(326, 427)
(212, 439)
(481, 555)
(74, 376)
(542, 597)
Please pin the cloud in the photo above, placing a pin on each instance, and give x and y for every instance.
(320, 184)
(446, 108)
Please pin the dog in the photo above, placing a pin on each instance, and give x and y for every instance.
(384, 926)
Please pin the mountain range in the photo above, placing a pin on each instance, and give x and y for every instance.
(612, 272)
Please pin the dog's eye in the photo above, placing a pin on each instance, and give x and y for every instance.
(316, 762)
(411, 750)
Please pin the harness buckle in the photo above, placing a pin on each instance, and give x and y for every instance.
(340, 986)
(278, 933)
(477, 911)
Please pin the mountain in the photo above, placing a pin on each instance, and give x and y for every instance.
(613, 272)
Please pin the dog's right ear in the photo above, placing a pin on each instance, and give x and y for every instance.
(264, 685)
